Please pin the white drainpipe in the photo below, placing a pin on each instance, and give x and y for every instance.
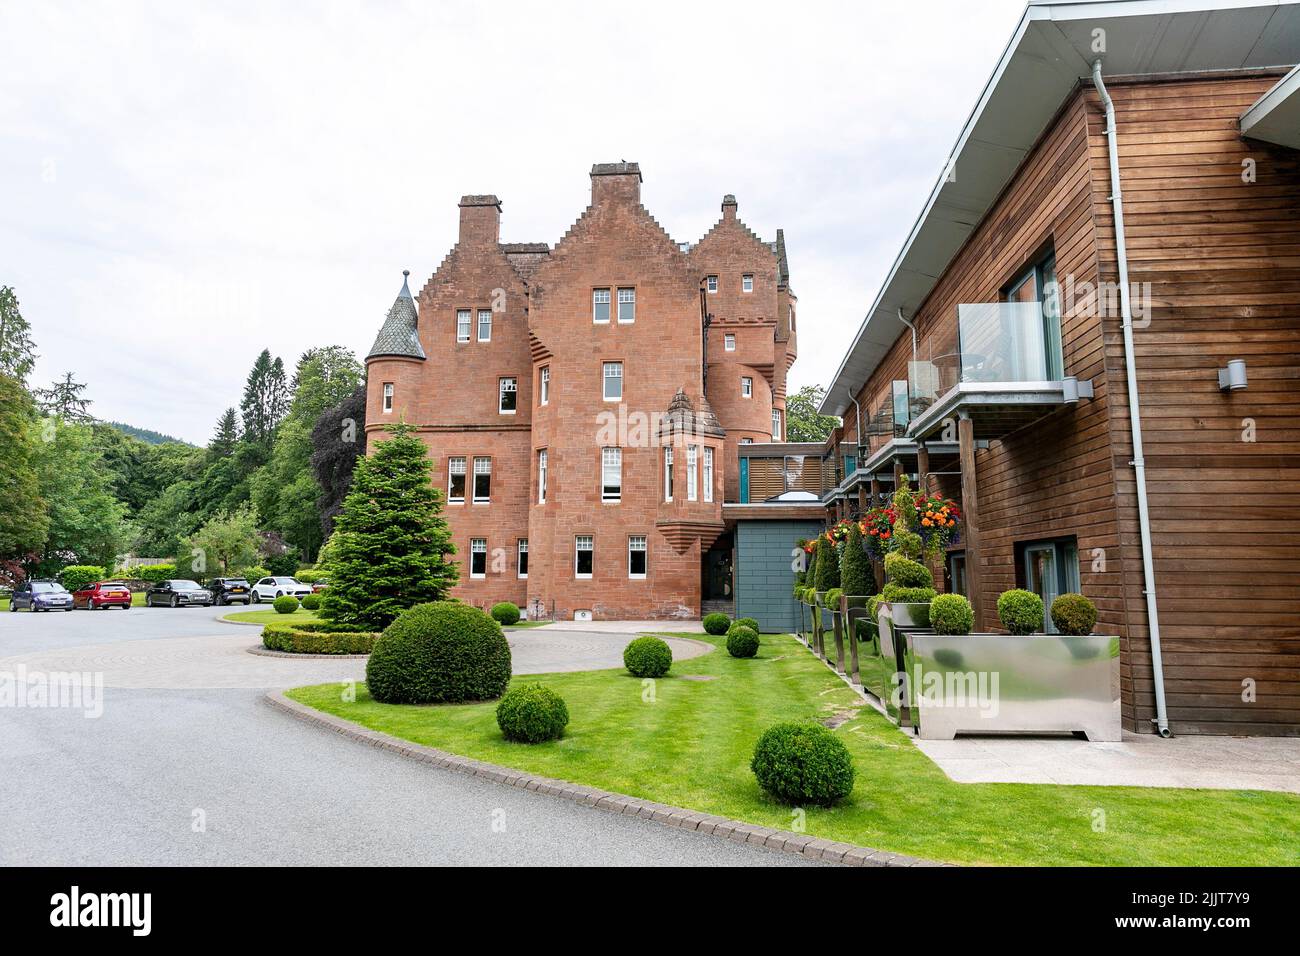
(1134, 406)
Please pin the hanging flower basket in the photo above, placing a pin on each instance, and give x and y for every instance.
(938, 520)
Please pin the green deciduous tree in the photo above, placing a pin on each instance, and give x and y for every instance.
(24, 523)
(391, 545)
(226, 542)
(87, 523)
(802, 420)
(17, 350)
(323, 378)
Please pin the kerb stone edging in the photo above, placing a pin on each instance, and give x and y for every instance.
(783, 840)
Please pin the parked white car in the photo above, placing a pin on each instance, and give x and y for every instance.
(268, 589)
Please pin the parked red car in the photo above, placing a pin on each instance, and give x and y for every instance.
(103, 594)
(318, 586)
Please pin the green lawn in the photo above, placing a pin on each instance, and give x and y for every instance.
(523, 624)
(268, 615)
(691, 748)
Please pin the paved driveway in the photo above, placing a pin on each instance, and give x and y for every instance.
(187, 765)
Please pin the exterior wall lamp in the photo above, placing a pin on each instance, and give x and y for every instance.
(1233, 378)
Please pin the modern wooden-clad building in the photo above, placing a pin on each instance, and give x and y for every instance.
(1115, 241)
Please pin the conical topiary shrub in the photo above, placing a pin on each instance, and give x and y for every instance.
(828, 566)
(856, 577)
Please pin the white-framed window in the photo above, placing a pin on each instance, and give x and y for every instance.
(478, 557)
(692, 471)
(611, 474)
(746, 387)
(612, 373)
(508, 395)
(544, 390)
(456, 481)
(636, 556)
(746, 283)
(485, 325)
(482, 480)
(708, 473)
(388, 398)
(711, 283)
(668, 474)
(791, 318)
(627, 305)
(776, 424)
(600, 306)
(462, 325)
(729, 342)
(541, 477)
(747, 441)
(584, 554)
(522, 563)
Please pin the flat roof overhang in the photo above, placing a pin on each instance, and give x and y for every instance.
(904, 449)
(996, 409)
(1275, 116)
(1048, 55)
(774, 511)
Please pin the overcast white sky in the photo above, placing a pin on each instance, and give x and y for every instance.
(184, 185)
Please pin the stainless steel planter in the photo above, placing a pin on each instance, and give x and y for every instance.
(998, 683)
(882, 663)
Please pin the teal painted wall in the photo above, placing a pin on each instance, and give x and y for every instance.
(763, 575)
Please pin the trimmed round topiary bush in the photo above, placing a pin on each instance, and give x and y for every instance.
(907, 573)
(716, 624)
(803, 763)
(647, 657)
(439, 653)
(1074, 614)
(531, 714)
(1020, 611)
(742, 641)
(285, 604)
(505, 613)
(951, 614)
(311, 602)
(748, 622)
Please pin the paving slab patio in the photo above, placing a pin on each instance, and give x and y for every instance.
(1139, 760)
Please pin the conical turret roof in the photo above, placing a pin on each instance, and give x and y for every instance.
(399, 336)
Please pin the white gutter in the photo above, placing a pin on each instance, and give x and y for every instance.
(1134, 406)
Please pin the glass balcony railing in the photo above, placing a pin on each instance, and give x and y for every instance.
(997, 342)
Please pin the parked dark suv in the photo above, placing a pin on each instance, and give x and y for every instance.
(177, 593)
(230, 591)
(41, 596)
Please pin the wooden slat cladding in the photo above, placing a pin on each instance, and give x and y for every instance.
(1222, 256)
(1223, 261)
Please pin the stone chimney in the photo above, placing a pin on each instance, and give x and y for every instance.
(480, 220)
(729, 207)
(616, 182)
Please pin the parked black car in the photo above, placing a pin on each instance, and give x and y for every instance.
(177, 594)
(230, 591)
(41, 596)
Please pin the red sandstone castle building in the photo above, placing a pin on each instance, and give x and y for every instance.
(583, 403)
